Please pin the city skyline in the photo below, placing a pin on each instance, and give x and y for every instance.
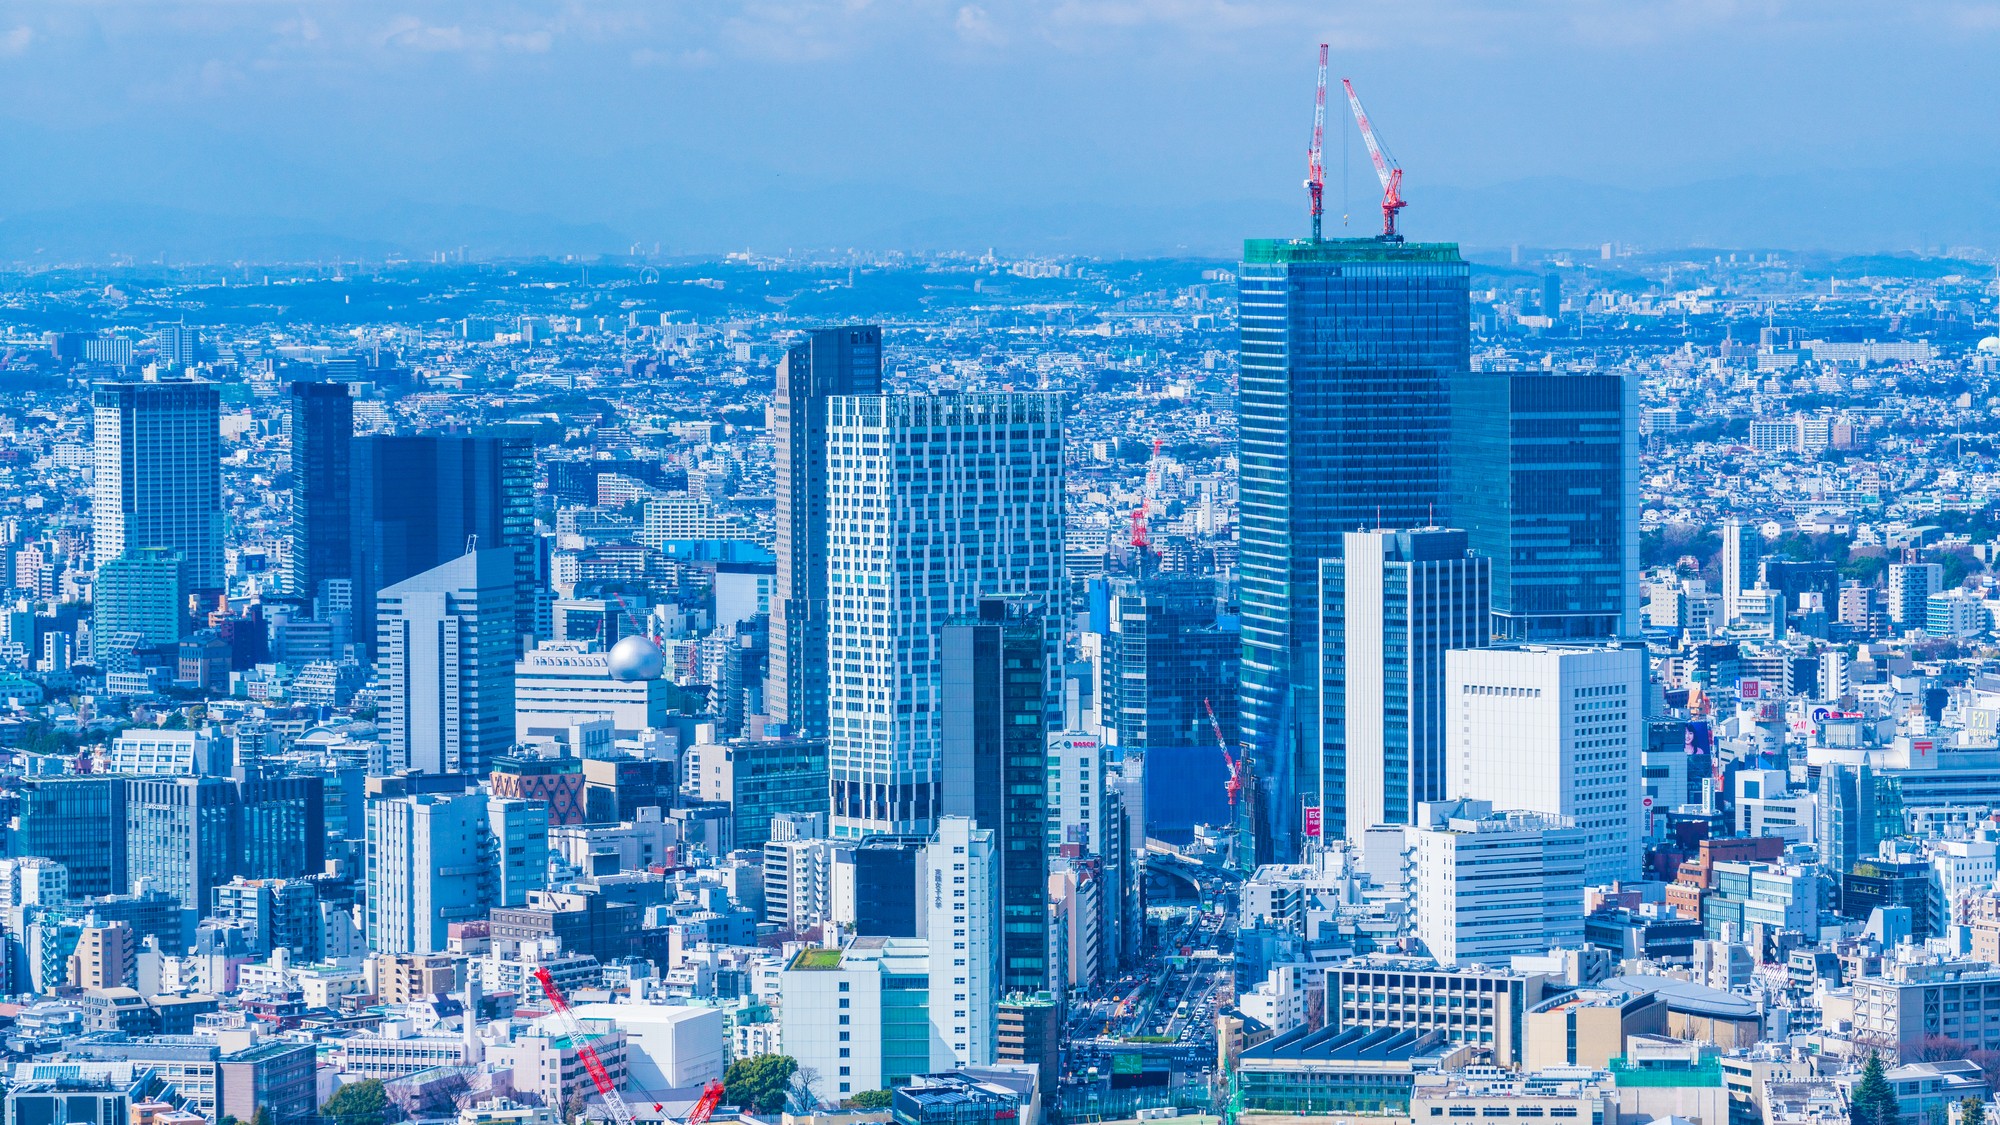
(1358, 677)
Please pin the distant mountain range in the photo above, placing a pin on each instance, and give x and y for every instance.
(1897, 210)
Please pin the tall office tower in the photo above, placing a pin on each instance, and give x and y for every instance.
(142, 595)
(429, 865)
(423, 500)
(1552, 295)
(994, 767)
(833, 361)
(321, 540)
(445, 647)
(159, 474)
(1490, 885)
(933, 503)
(963, 904)
(1164, 652)
(1545, 480)
(1390, 608)
(187, 835)
(182, 835)
(1910, 588)
(1739, 566)
(1350, 351)
(77, 821)
(1557, 730)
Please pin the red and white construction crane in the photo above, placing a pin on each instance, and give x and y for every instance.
(1235, 783)
(711, 1096)
(1316, 167)
(1386, 168)
(587, 1054)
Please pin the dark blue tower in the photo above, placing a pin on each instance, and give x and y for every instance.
(1350, 351)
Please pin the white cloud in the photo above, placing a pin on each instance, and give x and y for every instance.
(974, 25)
(15, 42)
(411, 33)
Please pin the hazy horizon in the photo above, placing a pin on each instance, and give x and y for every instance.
(233, 129)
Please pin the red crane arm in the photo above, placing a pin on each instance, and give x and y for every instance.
(1315, 163)
(585, 1053)
(1386, 168)
(711, 1096)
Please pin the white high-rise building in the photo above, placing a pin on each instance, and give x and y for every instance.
(858, 1016)
(1739, 565)
(429, 864)
(963, 920)
(1492, 885)
(445, 646)
(1556, 730)
(159, 474)
(1390, 609)
(1835, 680)
(1076, 792)
(933, 501)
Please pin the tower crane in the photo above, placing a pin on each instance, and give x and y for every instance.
(1386, 168)
(711, 1096)
(1235, 783)
(587, 1054)
(1315, 167)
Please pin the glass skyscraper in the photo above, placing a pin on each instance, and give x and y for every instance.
(1350, 351)
(159, 474)
(933, 503)
(994, 767)
(832, 361)
(322, 436)
(420, 500)
(1545, 480)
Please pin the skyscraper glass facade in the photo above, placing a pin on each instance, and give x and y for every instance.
(832, 361)
(322, 433)
(1545, 478)
(159, 474)
(421, 500)
(1350, 351)
(933, 502)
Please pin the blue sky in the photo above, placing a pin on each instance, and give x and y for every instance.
(1100, 125)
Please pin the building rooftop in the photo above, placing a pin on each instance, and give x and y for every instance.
(1694, 999)
(1287, 251)
(1353, 1044)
